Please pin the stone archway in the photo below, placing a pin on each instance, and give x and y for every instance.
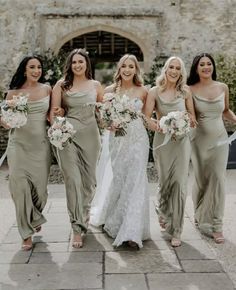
(104, 46)
(130, 43)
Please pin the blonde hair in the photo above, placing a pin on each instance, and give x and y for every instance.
(161, 80)
(137, 80)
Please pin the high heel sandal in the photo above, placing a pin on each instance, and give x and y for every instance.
(175, 242)
(218, 237)
(27, 244)
(162, 223)
(133, 245)
(77, 241)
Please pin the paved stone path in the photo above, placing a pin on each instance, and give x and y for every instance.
(54, 264)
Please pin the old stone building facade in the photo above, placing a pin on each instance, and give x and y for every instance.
(157, 27)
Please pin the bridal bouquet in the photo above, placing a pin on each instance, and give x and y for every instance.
(176, 124)
(14, 111)
(60, 132)
(117, 112)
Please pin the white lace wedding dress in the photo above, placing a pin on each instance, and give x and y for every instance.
(121, 201)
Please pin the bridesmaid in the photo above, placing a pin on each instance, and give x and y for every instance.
(28, 150)
(172, 160)
(211, 100)
(78, 159)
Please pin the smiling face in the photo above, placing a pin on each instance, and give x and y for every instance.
(78, 65)
(127, 70)
(205, 68)
(173, 71)
(33, 70)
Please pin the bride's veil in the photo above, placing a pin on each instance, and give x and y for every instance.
(104, 176)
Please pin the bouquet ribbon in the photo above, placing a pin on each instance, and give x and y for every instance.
(227, 141)
(165, 141)
(3, 158)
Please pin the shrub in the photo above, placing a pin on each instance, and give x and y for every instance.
(53, 66)
(226, 73)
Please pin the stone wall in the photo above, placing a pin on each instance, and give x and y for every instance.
(180, 27)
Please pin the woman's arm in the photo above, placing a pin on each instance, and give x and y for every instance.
(149, 108)
(55, 107)
(190, 109)
(99, 90)
(228, 114)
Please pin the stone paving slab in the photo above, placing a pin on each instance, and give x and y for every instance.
(52, 234)
(51, 276)
(189, 281)
(62, 258)
(196, 249)
(201, 266)
(141, 262)
(131, 282)
(51, 247)
(53, 264)
(7, 257)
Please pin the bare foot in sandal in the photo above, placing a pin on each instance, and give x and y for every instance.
(175, 242)
(27, 244)
(218, 237)
(77, 241)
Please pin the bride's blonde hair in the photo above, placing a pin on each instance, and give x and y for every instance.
(161, 80)
(137, 80)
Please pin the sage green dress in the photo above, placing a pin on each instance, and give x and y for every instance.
(29, 159)
(172, 162)
(209, 163)
(78, 160)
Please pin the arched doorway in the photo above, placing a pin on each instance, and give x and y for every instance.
(105, 49)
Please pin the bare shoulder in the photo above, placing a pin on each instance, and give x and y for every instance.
(58, 84)
(109, 89)
(192, 88)
(187, 91)
(186, 88)
(153, 91)
(224, 86)
(96, 83)
(12, 93)
(47, 88)
(144, 90)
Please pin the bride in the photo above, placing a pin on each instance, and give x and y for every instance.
(121, 203)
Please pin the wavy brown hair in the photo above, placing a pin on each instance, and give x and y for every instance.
(69, 75)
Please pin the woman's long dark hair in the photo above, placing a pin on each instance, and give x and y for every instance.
(193, 76)
(69, 75)
(19, 77)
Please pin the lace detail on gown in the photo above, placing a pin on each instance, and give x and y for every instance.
(124, 206)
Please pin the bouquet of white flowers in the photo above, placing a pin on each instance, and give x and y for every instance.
(14, 111)
(117, 112)
(60, 132)
(176, 124)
